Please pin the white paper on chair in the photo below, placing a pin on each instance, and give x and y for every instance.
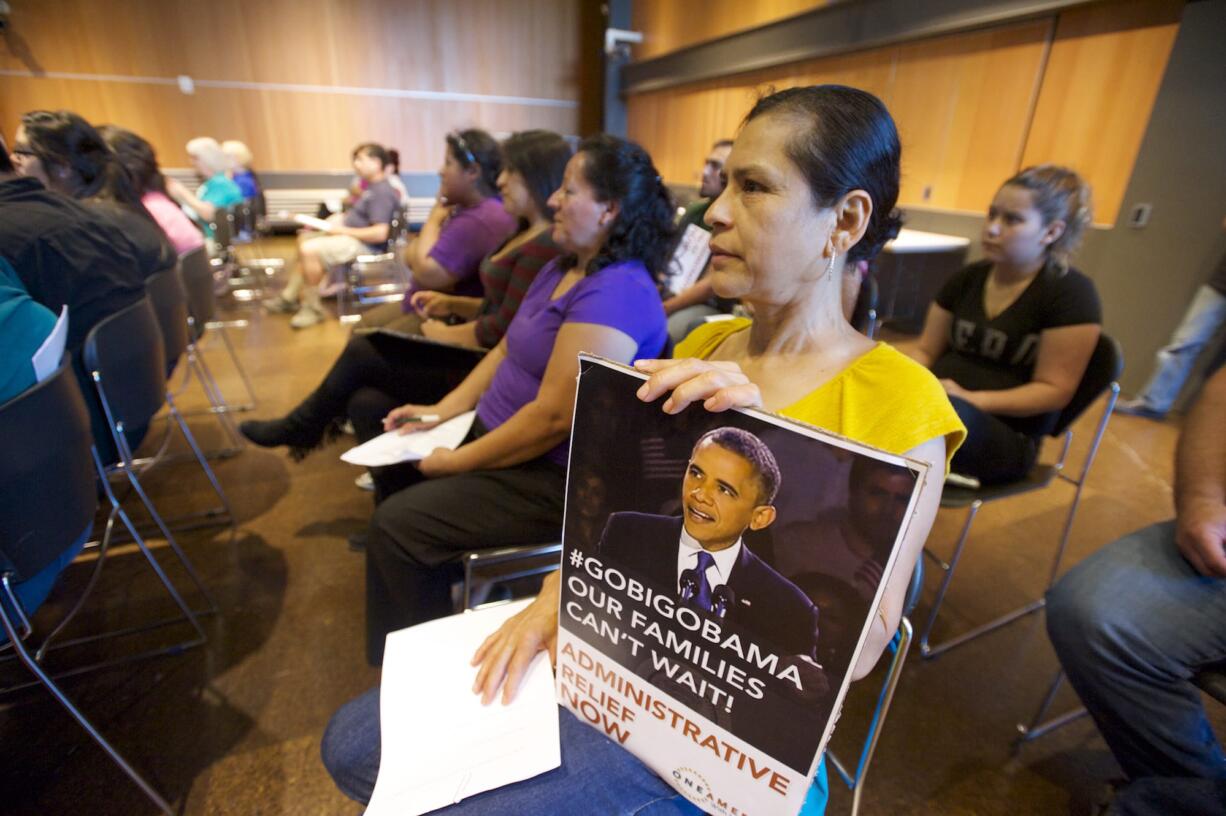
(393, 447)
(47, 359)
(439, 744)
(313, 222)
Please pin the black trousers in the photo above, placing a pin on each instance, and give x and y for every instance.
(403, 370)
(418, 534)
(994, 453)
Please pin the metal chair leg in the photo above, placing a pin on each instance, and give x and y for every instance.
(170, 539)
(219, 407)
(238, 366)
(1037, 727)
(62, 699)
(900, 645)
(203, 461)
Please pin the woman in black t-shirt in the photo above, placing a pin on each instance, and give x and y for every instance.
(1010, 336)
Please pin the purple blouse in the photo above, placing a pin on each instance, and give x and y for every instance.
(621, 296)
(468, 236)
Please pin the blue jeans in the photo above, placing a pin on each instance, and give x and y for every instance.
(1131, 624)
(597, 775)
(1204, 317)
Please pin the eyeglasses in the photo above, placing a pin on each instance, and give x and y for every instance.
(466, 153)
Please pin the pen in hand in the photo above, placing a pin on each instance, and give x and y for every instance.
(408, 420)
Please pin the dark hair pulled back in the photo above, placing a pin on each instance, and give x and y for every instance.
(845, 140)
(375, 151)
(137, 157)
(622, 171)
(64, 139)
(484, 150)
(540, 157)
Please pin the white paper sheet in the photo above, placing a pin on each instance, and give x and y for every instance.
(439, 744)
(689, 259)
(394, 447)
(312, 221)
(47, 359)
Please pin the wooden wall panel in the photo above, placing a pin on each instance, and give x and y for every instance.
(955, 100)
(668, 25)
(285, 130)
(528, 49)
(962, 104)
(1102, 78)
(971, 108)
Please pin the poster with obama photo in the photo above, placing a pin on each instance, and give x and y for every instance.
(720, 574)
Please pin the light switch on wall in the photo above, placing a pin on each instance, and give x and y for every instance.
(1139, 216)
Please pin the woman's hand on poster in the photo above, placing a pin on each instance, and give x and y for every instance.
(717, 384)
(504, 657)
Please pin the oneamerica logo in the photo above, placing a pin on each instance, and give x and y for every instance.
(694, 786)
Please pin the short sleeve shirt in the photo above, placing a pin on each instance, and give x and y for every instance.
(469, 235)
(376, 205)
(620, 296)
(1000, 352)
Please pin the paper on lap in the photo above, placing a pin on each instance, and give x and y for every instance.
(394, 447)
(313, 222)
(47, 359)
(439, 744)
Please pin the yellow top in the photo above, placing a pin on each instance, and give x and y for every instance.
(883, 399)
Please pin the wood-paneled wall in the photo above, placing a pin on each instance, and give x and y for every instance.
(971, 108)
(1098, 90)
(668, 25)
(322, 73)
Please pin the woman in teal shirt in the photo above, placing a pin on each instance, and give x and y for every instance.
(218, 190)
(24, 325)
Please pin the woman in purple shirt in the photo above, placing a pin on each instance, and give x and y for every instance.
(613, 218)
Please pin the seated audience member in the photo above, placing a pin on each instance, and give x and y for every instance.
(533, 163)
(67, 254)
(687, 309)
(468, 204)
(217, 191)
(1134, 621)
(362, 229)
(240, 167)
(24, 326)
(1010, 336)
(139, 159)
(1204, 316)
(466, 224)
(358, 185)
(805, 197)
(69, 156)
(614, 221)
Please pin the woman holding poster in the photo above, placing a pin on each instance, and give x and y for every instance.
(812, 183)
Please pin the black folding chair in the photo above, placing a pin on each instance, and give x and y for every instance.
(124, 357)
(1101, 375)
(202, 309)
(47, 500)
(899, 647)
(169, 300)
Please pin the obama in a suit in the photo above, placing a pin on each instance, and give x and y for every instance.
(729, 486)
